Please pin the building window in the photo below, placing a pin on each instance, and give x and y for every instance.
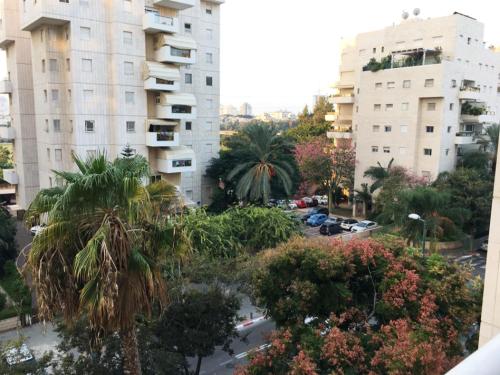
(68, 65)
(391, 85)
(387, 150)
(452, 106)
(130, 126)
(182, 163)
(406, 84)
(374, 50)
(449, 129)
(89, 126)
(84, 33)
(69, 95)
(188, 125)
(389, 107)
(405, 106)
(55, 95)
(378, 85)
(208, 10)
(129, 68)
(45, 95)
(377, 107)
(48, 154)
(374, 148)
(209, 58)
(127, 38)
(129, 97)
(403, 129)
(58, 154)
(428, 151)
(46, 125)
(431, 106)
(429, 83)
(188, 78)
(429, 129)
(56, 126)
(376, 128)
(187, 28)
(447, 151)
(87, 65)
(53, 65)
(453, 83)
(157, 99)
(43, 66)
(209, 81)
(387, 128)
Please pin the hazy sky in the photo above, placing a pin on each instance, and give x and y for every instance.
(277, 54)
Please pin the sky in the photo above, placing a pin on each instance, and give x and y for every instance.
(277, 54)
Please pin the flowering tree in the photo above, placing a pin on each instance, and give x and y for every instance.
(376, 308)
(331, 168)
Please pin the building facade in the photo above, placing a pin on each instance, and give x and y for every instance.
(246, 110)
(115, 72)
(420, 92)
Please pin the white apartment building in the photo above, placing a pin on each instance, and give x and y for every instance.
(431, 89)
(246, 109)
(100, 74)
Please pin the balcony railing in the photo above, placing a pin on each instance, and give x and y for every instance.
(405, 59)
(153, 22)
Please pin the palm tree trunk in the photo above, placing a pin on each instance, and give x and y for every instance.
(198, 366)
(130, 351)
(330, 200)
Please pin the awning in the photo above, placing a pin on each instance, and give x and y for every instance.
(178, 99)
(161, 71)
(177, 41)
(176, 153)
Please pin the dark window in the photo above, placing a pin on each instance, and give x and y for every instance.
(180, 52)
(182, 163)
(189, 125)
(429, 129)
(209, 81)
(188, 78)
(428, 151)
(181, 109)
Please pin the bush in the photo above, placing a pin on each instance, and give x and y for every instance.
(3, 301)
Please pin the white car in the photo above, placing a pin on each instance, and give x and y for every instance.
(322, 199)
(37, 229)
(363, 226)
(347, 224)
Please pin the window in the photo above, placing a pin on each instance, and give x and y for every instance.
(452, 106)
(403, 129)
(43, 66)
(428, 151)
(449, 129)
(45, 96)
(129, 97)
(182, 163)
(210, 34)
(127, 38)
(389, 107)
(87, 65)
(209, 81)
(208, 10)
(53, 65)
(453, 83)
(58, 154)
(447, 152)
(431, 106)
(188, 125)
(157, 99)
(56, 126)
(469, 40)
(406, 84)
(405, 106)
(374, 148)
(374, 50)
(68, 65)
(130, 126)
(129, 68)
(387, 128)
(54, 95)
(209, 58)
(376, 128)
(377, 107)
(69, 95)
(48, 154)
(429, 129)
(403, 150)
(391, 85)
(378, 85)
(84, 33)
(89, 126)
(127, 5)
(47, 125)
(187, 28)
(387, 150)
(429, 83)
(188, 78)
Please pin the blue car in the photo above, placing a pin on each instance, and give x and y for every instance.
(317, 220)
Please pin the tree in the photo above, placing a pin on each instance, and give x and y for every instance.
(197, 323)
(8, 249)
(321, 108)
(5, 158)
(373, 307)
(263, 157)
(378, 174)
(365, 197)
(127, 152)
(477, 160)
(312, 125)
(101, 254)
(490, 142)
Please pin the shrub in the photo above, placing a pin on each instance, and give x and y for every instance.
(3, 301)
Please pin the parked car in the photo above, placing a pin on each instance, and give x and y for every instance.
(336, 220)
(323, 200)
(317, 220)
(347, 224)
(311, 202)
(37, 229)
(329, 228)
(363, 226)
(292, 206)
(484, 246)
(300, 203)
(272, 202)
(314, 211)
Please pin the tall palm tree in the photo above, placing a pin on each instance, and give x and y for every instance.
(364, 196)
(378, 174)
(102, 251)
(264, 156)
(490, 143)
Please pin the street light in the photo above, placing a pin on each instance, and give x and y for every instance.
(418, 218)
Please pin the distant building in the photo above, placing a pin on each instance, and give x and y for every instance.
(228, 110)
(246, 109)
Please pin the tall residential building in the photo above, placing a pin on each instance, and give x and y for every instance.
(109, 73)
(245, 109)
(421, 92)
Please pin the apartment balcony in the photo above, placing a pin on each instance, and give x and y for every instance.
(479, 119)
(343, 85)
(175, 4)
(7, 133)
(5, 86)
(10, 176)
(339, 135)
(469, 93)
(161, 133)
(6, 35)
(153, 23)
(176, 106)
(465, 138)
(46, 12)
(331, 116)
(176, 160)
(343, 99)
(178, 49)
(161, 77)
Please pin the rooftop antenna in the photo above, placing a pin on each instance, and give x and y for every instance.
(405, 15)
(416, 12)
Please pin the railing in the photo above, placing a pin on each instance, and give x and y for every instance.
(165, 136)
(162, 20)
(466, 134)
(470, 89)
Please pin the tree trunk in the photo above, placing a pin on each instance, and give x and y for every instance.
(198, 366)
(364, 209)
(130, 351)
(330, 200)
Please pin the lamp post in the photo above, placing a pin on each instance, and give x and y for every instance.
(418, 218)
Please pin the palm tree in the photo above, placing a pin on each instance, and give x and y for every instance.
(378, 174)
(263, 157)
(490, 142)
(102, 251)
(364, 196)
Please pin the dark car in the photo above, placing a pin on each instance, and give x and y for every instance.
(314, 211)
(330, 228)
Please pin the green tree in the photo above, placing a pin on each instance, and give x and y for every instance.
(8, 249)
(127, 152)
(197, 323)
(378, 174)
(102, 251)
(321, 108)
(5, 158)
(263, 156)
(477, 160)
(490, 143)
(312, 125)
(365, 197)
